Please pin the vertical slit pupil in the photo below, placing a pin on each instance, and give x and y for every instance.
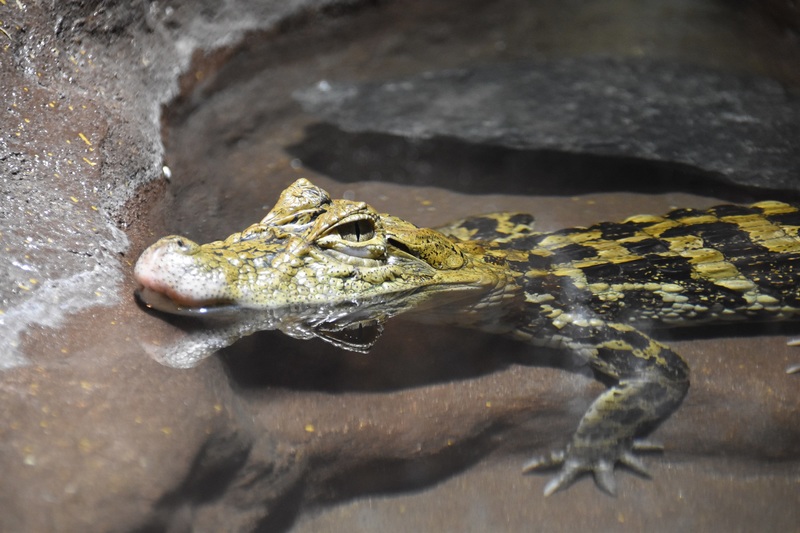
(357, 231)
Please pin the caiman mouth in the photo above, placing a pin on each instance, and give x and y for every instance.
(159, 301)
(353, 260)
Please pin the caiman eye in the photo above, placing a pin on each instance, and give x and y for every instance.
(357, 231)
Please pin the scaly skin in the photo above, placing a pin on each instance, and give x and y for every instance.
(336, 269)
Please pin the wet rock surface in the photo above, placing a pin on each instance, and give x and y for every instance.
(741, 130)
(97, 436)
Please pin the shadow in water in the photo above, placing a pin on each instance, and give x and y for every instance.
(408, 355)
(488, 169)
(413, 355)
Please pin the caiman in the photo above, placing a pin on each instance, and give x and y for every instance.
(337, 269)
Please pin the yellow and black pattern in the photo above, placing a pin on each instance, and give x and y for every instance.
(726, 263)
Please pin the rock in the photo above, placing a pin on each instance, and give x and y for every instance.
(738, 129)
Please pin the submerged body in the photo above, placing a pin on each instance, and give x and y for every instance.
(337, 269)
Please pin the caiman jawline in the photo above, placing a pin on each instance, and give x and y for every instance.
(160, 301)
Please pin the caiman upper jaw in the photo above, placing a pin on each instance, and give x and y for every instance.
(168, 269)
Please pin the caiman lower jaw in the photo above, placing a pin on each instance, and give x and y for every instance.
(160, 301)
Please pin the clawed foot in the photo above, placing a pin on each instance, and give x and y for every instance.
(574, 464)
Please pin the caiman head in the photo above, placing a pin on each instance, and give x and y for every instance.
(311, 252)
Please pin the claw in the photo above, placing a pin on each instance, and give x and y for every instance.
(604, 477)
(554, 485)
(634, 463)
(644, 445)
(793, 369)
(563, 480)
(553, 459)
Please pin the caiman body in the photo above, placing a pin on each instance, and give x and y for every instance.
(337, 269)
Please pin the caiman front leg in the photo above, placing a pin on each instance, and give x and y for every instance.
(651, 381)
